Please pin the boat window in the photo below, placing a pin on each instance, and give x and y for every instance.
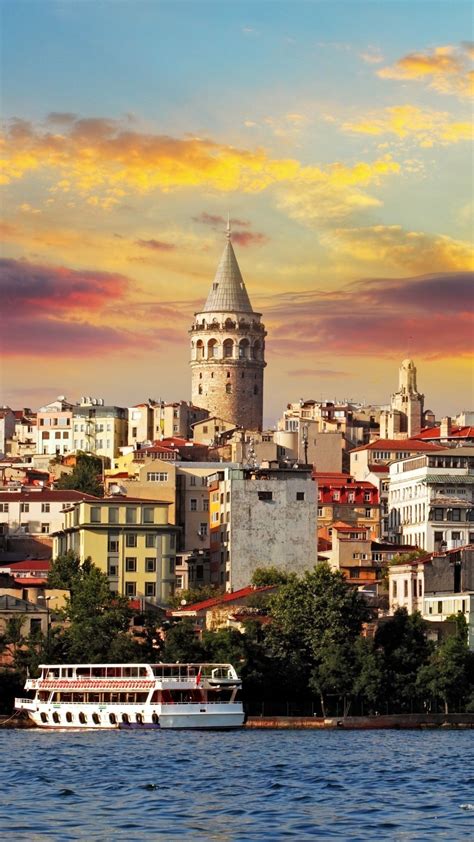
(96, 718)
(44, 717)
(155, 718)
(82, 718)
(125, 717)
(55, 716)
(113, 718)
(139, 718)
(69, 716)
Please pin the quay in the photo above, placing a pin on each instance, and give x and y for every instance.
(395, 721)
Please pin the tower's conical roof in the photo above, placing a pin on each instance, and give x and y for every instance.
(228, 292)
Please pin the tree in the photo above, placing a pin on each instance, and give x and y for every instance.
(263, 576)
(334, 675)
(405, 649)
(85, 477)
(192, 595)
(182, 644)
(369, 679)
(450, 674)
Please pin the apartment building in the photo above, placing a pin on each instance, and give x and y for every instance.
(35, 510)
(129, 539)
(98, 428)
(431, 499)
(342, 498)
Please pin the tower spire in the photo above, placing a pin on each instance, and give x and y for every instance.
(228, 230)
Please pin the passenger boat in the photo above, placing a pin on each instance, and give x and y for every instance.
(135, 696)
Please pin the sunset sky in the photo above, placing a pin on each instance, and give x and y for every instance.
(337, 135)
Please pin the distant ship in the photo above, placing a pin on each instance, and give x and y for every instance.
(135, 696)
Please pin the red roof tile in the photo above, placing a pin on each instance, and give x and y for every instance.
(29, 564)
(226, 597)
(405, 445)
(435, 433)
(30, 581)
(49, 495)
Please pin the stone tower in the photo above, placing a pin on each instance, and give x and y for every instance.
(228, 349)
(405, 417)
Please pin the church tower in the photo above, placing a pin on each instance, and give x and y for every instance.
(405, 416)
(228, 349)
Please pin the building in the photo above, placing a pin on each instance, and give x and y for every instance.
(99, 429)
(431, 499)
(222, 611)
(141, 423)
(342, 498)
(405, 418)
(437, 585)
(361, 559)
(7, 428)
(447, 434)
(176, 419)
(129, 539)
(35, 510)
(54, 428)
(24, 439)
(261, 517)
(352, 423)
(228, 349)
(370, 462)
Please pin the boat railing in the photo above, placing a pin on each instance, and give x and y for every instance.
(22, 702)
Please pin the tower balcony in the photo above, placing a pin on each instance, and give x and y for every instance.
(227, 326)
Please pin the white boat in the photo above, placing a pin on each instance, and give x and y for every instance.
(134, 696)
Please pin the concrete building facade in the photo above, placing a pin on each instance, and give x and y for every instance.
(262, 517)
(228, 349)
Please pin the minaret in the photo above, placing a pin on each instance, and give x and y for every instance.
(228, 349)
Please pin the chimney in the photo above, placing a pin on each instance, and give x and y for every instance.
(445, 428)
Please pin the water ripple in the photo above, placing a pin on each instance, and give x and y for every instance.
(236, 787)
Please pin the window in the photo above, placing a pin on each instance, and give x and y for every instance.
(95, 514)
(35, 626)
(228, 388)
(320, 511)
(45, 528)
(150, 540)
(265, 495)
(440, 608)
(455, 536)
(172, 541)
(179, 582)
(24, 507)
(456, 514)
(3, 507)
(300, 495)
(336, 495)
(205, 505)
(204, 429)
(130, 515)
(45, 507)
(148, 514)
(157, 476)
(405, 587)
(112, 568)
(130, 588)
(350, 497)
(394, 590)
(172, 566)
(150, 588)
(420, 587)
(204, 481)
(113, 544)
(150, 565)
(130, 564)
(368, 512)
(130, 540)
(203, 529)
(193, 504)
(367, 496)
(192, 480)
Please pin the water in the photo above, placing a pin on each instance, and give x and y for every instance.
(237, 786)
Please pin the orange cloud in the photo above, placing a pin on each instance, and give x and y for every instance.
(392, 245)
(444, 69)
(426, 127)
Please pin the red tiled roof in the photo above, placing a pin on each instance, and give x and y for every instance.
(435, 433)
(339, 480)
(379, 469)
(341, 526)
(29, 564)
(405, 445)
(226, 597)
(56, 495)
(30, 580)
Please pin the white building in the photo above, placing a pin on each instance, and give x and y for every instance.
(98, 428)
(36, 510)
(431, 499)
(261, 517)
(54, 428)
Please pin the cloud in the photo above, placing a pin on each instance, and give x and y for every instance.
(249, 238)
(244, 238)
(392, 245)
(29, 287)
(99, 154)
(324, 197)
(444, 69)
(372, 55)
(155, 245)
(426, 127)
(376, 317)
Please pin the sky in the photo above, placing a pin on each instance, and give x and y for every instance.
(337, 135)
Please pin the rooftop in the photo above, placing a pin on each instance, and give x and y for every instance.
(403, 445)
(228, 292)
(233, 596)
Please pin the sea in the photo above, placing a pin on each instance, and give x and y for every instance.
(247, 786)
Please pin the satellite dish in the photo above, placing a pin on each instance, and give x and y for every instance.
(183, 602)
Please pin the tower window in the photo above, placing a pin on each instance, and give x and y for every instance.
(212, 374)
(243, 375)
(200, 375)
(215, 286)
(255, 390)
(200, 390)
(228, 388)
(228, 374)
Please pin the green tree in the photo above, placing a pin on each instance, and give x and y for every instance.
(263, 576)
(450, 674)
(191, 595)
(369, 674)
(405, 649)
(334, 675)
(182, 644)
(86, 476)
